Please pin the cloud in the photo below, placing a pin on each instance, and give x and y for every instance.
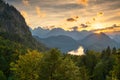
(84, 25)
(71, 20)
(113, 28)
(78, 52)
(26, 2)
(83, 2)
(100, 14)
(94, 19)
(75, 28)
(39, 12)
(113, 18)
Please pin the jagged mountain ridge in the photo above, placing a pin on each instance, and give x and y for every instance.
(44, 33)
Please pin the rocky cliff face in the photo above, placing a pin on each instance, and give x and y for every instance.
(14, 27)
(11, 20)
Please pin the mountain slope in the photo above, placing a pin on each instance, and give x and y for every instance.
(115, 36)
(14, 27)
(97, 42)
(64, 43)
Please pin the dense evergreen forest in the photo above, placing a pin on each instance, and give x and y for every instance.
(20, 63)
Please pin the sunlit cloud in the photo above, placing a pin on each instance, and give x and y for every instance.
(100, 14)
(71, 19)
(49, 27)
(78, 52)
(113, 28)
(94, 19)
(74, 28)
(83, 2)
(84, 25)
(26, 2)
(39, 12)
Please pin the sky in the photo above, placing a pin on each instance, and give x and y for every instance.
(91, 15)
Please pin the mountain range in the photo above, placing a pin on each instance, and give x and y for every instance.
(71, 40)
(44, 33)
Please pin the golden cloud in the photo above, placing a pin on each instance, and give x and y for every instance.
(40, 13)
(94, 19)
(108, 29)
(83, 2)
(71, 20)
(25, 2)
(100, 14)
(75, 28)
(84, 25)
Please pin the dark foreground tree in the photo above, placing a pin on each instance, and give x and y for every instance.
(115, 73)
(2, 76)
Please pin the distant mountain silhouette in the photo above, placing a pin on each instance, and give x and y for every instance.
(64, 43)
(97, 42)
(44, 33)
(87, 39)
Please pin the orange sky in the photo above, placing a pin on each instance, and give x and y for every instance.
(91, 15)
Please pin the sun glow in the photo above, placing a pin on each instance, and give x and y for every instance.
(98, 32)
(98, 26)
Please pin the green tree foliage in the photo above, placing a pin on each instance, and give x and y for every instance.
(116, 69)
(27, 67)
(51, 66)
(2, 76)
(114, 51)
(9, 52)
(56, 67)
(106, 53)
(87, 62)
(67, 70)
(91, 60)
(84, 73)
(50, 62)
(101, 70)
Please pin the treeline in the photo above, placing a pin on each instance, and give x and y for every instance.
(19, 63)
